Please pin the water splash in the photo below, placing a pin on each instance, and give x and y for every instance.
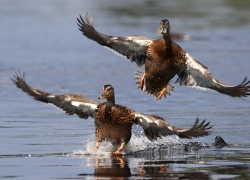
(137, 143)
(104, 150)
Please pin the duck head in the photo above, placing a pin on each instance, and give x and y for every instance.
(219, 142)
(164, 28)
(108, 93)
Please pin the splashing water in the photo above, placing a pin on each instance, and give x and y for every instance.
(137, 143)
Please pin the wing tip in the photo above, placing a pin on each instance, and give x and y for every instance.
(241, 90)
(18, 78)
(198, 130)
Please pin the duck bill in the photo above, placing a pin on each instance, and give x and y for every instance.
(101, 97)
(164, 30)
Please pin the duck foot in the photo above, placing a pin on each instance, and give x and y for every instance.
(142, 81)
(161, 93)
(96, 145)
(116, 154)
(166, 91)
(118, 151)
(96, 162)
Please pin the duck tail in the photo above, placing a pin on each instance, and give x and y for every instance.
(153, 92)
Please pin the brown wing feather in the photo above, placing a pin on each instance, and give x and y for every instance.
(132, 47)
(122, 114)
(70, 103)
(155, 126)
(193, 73)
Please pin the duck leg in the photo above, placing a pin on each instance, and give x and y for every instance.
(117, 152)
(161, 93)
(166, 91)
(141, 168)
(96, 162)
(142, 80)
(96, 145)
(167, 88)
(121, 160)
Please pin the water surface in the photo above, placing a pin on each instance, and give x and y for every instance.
(41, 38)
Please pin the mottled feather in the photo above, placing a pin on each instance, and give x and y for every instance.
(69, 103)
(163, 59)
(132, 47)
(113, 122)
(155, 126)
(194, 74)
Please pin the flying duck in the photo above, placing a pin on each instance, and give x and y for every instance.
(113, 122)
(163, 59)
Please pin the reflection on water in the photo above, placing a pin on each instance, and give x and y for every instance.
(211, 165)
(159, 169)
(114, 167)
(117, 168)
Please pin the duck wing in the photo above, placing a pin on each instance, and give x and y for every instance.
(155, 126)
(132, 47)
(69, 103)
(193, 73)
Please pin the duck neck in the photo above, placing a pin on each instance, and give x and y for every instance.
(167, 39)
(111, 101)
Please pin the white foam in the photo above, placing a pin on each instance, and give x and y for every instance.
(138, 142)
(104, 150)
(141, 142)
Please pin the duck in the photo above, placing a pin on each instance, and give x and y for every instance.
(163, 59)
(113, 122)
(219, 142)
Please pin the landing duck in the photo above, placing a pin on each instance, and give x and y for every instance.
(163, 59)
(113, 122)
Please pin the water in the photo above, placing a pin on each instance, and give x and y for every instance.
(41, 38)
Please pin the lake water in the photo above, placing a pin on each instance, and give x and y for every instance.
(41, 38)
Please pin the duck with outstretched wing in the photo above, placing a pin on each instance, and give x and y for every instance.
(163, 59)
(113, 122)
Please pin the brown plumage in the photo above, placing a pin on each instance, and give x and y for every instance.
(113, 122)
(163, 59)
